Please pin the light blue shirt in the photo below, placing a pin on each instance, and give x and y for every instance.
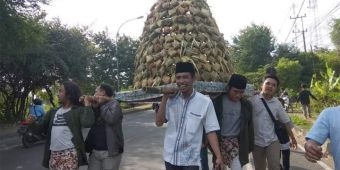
(328, 126)
(186, 119)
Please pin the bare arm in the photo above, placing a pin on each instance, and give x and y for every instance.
(291, 135)
(160, 115)
(213, 141)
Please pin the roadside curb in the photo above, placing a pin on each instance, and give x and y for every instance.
(9, 137)
(136, 109)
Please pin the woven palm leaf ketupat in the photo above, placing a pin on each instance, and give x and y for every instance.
(180, 30)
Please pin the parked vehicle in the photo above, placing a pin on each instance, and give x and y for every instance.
(29, 136)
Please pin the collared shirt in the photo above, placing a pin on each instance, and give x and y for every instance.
(327, 126)
(186, 119)
(263, 125)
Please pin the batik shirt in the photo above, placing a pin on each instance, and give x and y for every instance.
(186, 119)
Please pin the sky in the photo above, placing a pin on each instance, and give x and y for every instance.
(231, 16)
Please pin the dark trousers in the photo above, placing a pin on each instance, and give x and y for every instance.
(285, 159)
(204, 158)
(169, 166)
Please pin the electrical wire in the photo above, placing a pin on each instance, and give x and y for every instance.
(319, 22)
(290, 31)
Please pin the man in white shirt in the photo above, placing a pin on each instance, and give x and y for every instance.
(187, 112)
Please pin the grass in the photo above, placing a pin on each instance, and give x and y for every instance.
(300, 121)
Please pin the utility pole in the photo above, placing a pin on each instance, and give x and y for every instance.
(295, 27)
(303, 30)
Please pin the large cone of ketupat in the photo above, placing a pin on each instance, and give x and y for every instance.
(180, 30)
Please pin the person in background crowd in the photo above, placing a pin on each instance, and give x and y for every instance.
(304, 100)
(105, 140)
(285, 148)
(36, 110)
(286, 101)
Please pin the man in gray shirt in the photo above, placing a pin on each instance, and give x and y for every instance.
(267, 147)
(235, 117)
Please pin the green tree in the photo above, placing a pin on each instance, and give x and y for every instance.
(21, 37)
(332, 58)
(312, 64)
(15, 8)
(289, 72)
(335, 34)
(38, 56)
(256, 78)
(103, 65)
(70, 49)
(287, 51)
(253, 46)
(127, 48)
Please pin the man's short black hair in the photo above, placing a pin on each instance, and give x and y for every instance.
(272, 76)
(237, 81)
(107, 88)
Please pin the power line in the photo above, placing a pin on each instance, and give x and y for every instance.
(290, 31)
(303, 30)
(283, 23)
(320, 21)
(323, 19)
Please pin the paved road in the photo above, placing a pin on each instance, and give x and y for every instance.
(143, 149)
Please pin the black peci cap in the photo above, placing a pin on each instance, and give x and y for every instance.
(182, 67)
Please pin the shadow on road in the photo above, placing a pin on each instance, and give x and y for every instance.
(298, 152)
(297, 168)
